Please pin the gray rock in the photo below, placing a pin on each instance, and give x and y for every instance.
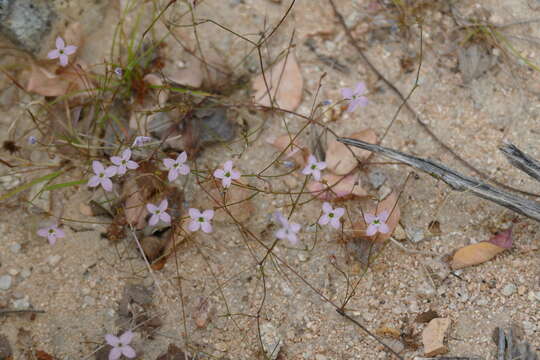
(26, 22)
(90, 301)
(25, 273)
(15, 248)
(21, 304)
(5, 282)
(376, 179)
(53, 260)
(508, 289)
(271, 340)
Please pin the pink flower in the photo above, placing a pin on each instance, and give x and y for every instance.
(355, 96)
(314, 167)
(331, 215)
(158, 213)
(123, 163)
(177, 166)
(227, 174)
(51, 233)
(200, 220)
(120, 345)
(141, 140)
(102, 176)
(62, 51)
(376, 223)
(288, 229)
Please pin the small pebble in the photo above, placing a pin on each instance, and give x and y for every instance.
(416, 235)
(15, 248)
(5, 282)
(13, 272)
(376, 179)
(508, 289)
(21, 304)
(90, 301)
(53, 260)
(384, 191)
(25, 273)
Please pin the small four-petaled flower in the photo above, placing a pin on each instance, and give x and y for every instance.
(331, 215)
(355, 97)
(123, 162)
(51, 233)
(62, 51)
(288, 229)
(314, 167)
(141, 140)
(120, 345)
(376, 223)
(158, 213)
(227, 174)
(200, 220)
(177, 166)
(102, 176)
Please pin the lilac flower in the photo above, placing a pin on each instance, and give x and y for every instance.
(51, 233)
(32, 140)
(355, 96)
(288, 229)
(62, 51)
(158, 213)
(177, 166)
(123, 163)
(200, 220)
(227, 174)
(120, 345)
(314, 167)
(331, 215)
(376, 223)
(140, 140)
(119, 72)
(102, 176)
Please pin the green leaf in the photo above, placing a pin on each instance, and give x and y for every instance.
(28, 185)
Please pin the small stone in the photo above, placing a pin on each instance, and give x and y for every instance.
(21, 304)
(528, 327)
(15, 248)
(90, 301)
(376, 179)
(25, 273)
(5, 282)
(271, 340)
(433, 337)
(395, 345)
(522, 290)
(320, 357)
(302, 257)
(13, 272)
(85, 291)
(53, 260)
(384, 191)
(5, 348)
(508, 289)
(399, 233)
(416, 235)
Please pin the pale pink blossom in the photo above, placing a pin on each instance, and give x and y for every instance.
(314, 167)
(227, 174)
(376, 223)
(120, 345)
(102, 176)
(158, 213)
(51, 233)
(176, 167)
(62, 51)
(288, 229)
(331, 215)
(123, 162)
(355, 97)
(200, 220)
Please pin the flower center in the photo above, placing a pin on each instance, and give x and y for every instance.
(158, 211)
(331, 215)
(376, 222)
(313, 167)
(201, 219)
(227, 174)
(101, 175)
(61, 52)
(51, 231)
(176, 165)
(124, 162)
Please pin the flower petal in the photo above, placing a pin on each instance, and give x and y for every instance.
(295, 227)
(383, 216)
(121, 170)
(363, 101)
(347, 93)
(163, 205)
(115, 353)
(132, 165)
(321, 165)
(116, 160)
(383, 228)
(126, 154)
(194, 213)
(43, 232)
(153, 220)
(235, 175)
(360, 88)
(316, 174)
(106, 183)
(352, 106)
(60, 233)
(182, 157)
(94, 181)
(128, 351)
(166, 218)
(70, 49)
(97, 167)
(371, 230)
(60, 44)
(307, 170)
(112, 340)
(52, 238)
(281, 233)
(293, 239)
(63, 59)
(111, 171)
(168, 163)
(183, 169)
(326, 207)
(335, 223)
(208, 214)
(338, 212)
(173, 174)
(126, 337)
(323, 220)
(151, 208)
(194, 226)
(369, 218)
(226, 182)
(53, 54)
(228, 165)
(219, 173)
(206, 227)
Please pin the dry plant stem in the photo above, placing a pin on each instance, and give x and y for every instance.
(456, 181)
(415, 115)
(20, 311)
(521, 160)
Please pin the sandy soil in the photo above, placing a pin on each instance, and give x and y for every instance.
(79, 281)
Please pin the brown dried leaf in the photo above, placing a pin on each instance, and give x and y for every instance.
(333, 187)
(295, 149)
(285, 83)
(42, 355)
(388, 332)
(45, 81)
(474, 254)
(388, 204)
(339, 157)
(135, 201)
(426, 316)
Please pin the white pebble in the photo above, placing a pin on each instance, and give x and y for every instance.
(5, 282)
(508, 289)
(53, 260)
(15, 248)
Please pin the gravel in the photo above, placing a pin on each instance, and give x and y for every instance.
(5, 282)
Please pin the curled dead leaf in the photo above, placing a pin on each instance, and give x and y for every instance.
(295, 149)
(333, 187)
(390, 205)
(285, 83)
(475, 254)
(341, 159)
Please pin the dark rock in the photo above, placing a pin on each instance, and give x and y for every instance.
(26, 22)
